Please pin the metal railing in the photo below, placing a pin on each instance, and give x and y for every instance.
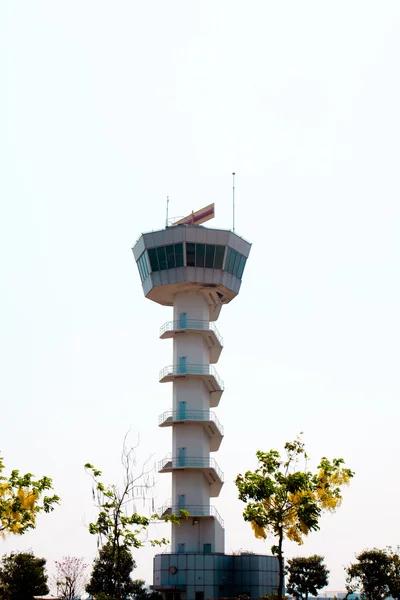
(192, 369)
(191, 415)
(182, 462)
(194, 510)
(198, 324)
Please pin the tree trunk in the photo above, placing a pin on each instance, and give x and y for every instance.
(281, 568)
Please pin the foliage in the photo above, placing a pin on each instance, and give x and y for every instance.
(22, 576)
(70, 578)
(307, 575)
(140, 592)
(119, 525)
(117, 521)
(21, 501)
(376, 575)
(111, 574)
(286, 502)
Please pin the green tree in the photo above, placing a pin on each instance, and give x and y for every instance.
(307, 575)
(111, 574)
(22, 576)
(376, 575)
(118, 524)
(140, 592)
(21, 499)
(285, 501)
(70, 578)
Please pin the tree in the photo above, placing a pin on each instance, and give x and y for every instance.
(21, 500)
(376, 575)
(286, 502)
(118, 523)
(22, 576)
(70, 578)
(111, 574)
(307, 575)
(140, 592)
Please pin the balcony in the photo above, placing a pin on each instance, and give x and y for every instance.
(206, 329)
(206, 373)
(193, 510)
(208, 466)
(207, 418)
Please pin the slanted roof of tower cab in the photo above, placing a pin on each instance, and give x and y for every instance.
(191, 257)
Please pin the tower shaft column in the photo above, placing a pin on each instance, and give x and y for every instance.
(190, 442)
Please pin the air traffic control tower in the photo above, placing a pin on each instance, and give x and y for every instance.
(196, 270)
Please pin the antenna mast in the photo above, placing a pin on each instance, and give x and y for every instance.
(233, 200)
(166, 221)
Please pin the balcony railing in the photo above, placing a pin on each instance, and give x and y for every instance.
(196, 462)
(191, 415)
(191, 369)
(198, 324)
(193, 510)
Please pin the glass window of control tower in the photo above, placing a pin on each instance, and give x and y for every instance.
(166, 257)
(209, 256)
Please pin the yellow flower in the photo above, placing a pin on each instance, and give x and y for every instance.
(259, 532)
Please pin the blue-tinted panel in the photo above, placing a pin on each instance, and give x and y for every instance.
(231, 262)
(219, 257)
(182, 561)
(200, 255)
(236, 265)
(190, 254)
(241, 266)
(162, 258)
(246, 577)
(170, 256)
(181, 577)
(210, 252)
(178, 255)
(157, 562)
(228, 259)
(199, 561)
(208, 561)
(140, 269)
(207, 550)
(190, 562)
(143, 265)
(143, 260)
(165, 561)
(208, 577)
(191, 574)
(153, 259)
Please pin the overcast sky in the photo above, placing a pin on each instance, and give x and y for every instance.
(108, 107)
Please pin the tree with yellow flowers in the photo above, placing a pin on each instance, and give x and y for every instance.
(285, 501)
(21, 499)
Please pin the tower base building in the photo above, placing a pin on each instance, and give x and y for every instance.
(196, 270)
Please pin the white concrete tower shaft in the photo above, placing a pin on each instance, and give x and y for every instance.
(194, 478)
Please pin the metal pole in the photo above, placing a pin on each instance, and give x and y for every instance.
(233, 200)
(166, 222)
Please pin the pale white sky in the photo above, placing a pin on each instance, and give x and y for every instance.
(107, 107)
